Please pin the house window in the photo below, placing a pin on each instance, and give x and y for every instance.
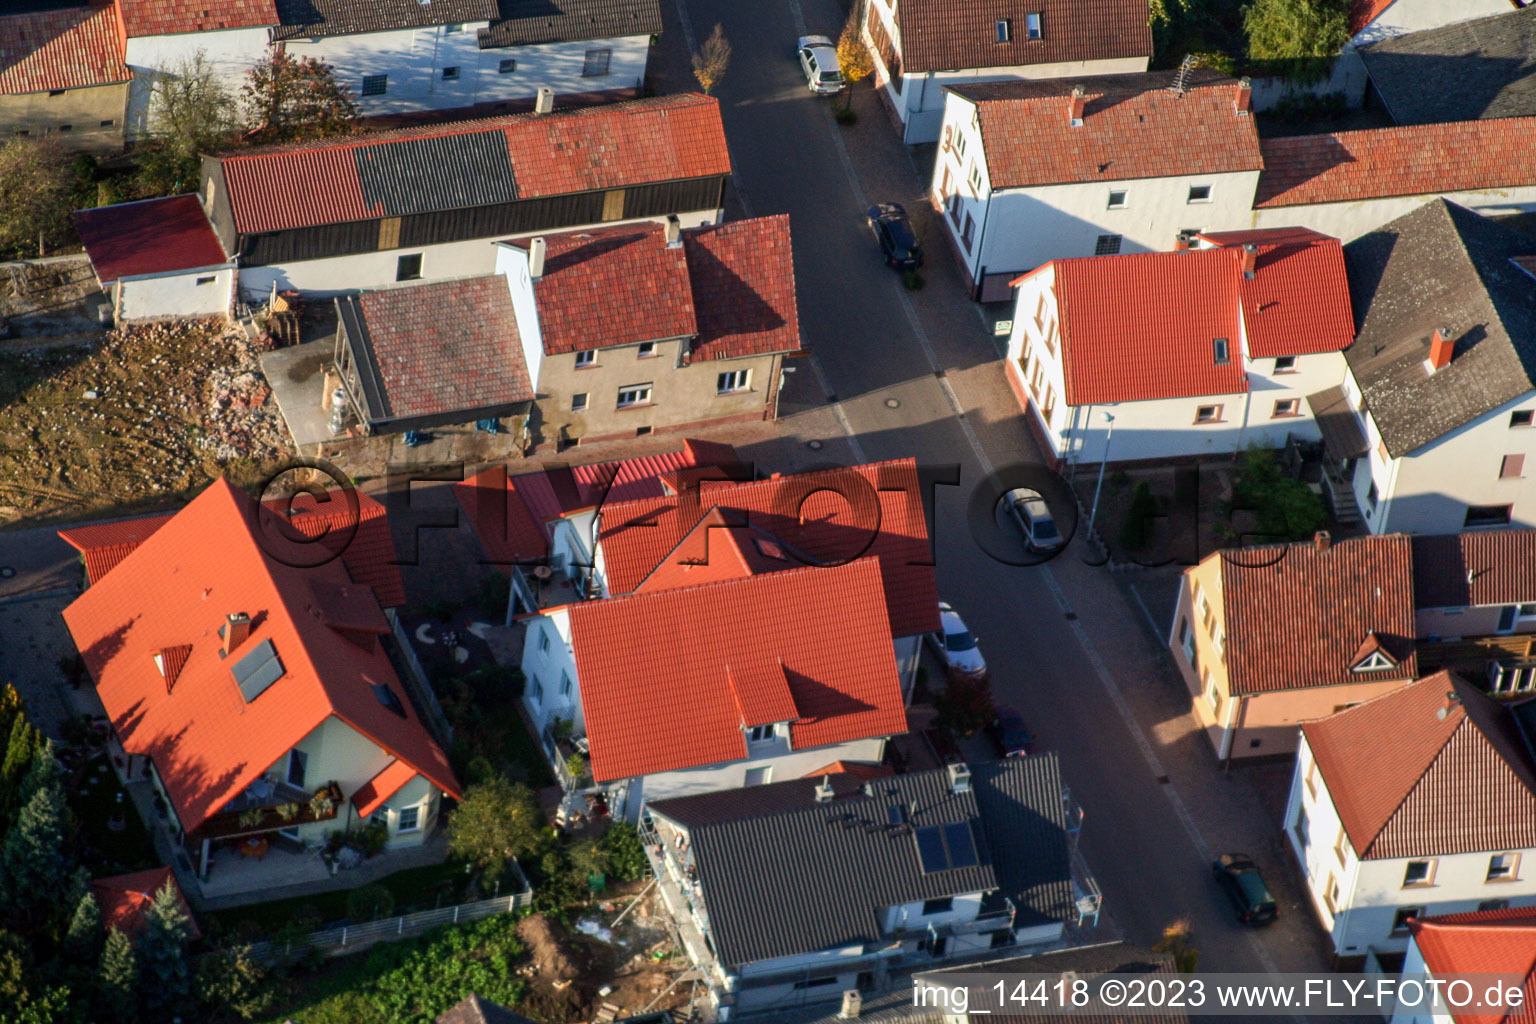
(1117, 199)
(297, 760)
(1285, 364)
(565, 684)
(1331, 895)
(206, 280)
(1032, 25)
(975, 179)
(587, 358)
(1303, 830)
(1187, 640)
(408, 268)
(451, 74)
(1311, 779)
(1512, 468)
(1107, 245)
(507, 66)
(375, 85)
(645, 350)
(760, 733)
(1400, 919)
(757, 776)
(1419, 872)
(965, 236)
(1502, 867)
(1221, 351)
(1487, 905)
(1199, 193)
(1287, 407)
(1004, 30)
(537, 693)
(596, 64)
(452, 27)
(817, 982)
(1372, 496)
(1208, 414)
(733, 380)
(1211, 693)
(1521, 418)
(543, 639)
(410, 819)
(1341, 848)
(1487, 515)
(108, 123)
(634, 394)
(942, 905)
(579, 402)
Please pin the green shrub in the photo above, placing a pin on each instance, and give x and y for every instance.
(625, 852)
(369, 903)
(1285, 509)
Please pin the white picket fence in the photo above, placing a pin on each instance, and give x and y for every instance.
(350, 938)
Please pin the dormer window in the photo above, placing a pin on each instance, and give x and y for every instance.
(762, 733)
(1004, 30)
(1374, 662)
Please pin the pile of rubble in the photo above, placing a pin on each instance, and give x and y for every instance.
(241, 420)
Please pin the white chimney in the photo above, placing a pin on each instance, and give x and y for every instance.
(959, 778)
(824, 789)
(545, 101)
(853, 1004)
(536, 258)
(673, 232)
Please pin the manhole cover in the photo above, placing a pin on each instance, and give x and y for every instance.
(814, 446)
(893, 403)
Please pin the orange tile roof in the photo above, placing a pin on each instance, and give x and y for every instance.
(1402, 161)
(731, 285)
(1413, 774)
(70, 49)
(854, 768)
(722, 546)
(221, 554)
(509, 513)
(123, 899)
(665, 138)
(661, 673)
(376, 791)
(1296, 616)
(1142, 326)
(1133, 126)
(1363, 12)
(830, 516)
(171, 17)
(369, 554)
(1463, 569)
(1484, 942)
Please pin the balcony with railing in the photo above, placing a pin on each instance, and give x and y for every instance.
(268, 806)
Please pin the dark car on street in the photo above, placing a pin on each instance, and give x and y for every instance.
(895, 235)
(1011, 734)
(1239, 878)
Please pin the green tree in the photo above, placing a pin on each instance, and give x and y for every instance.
(82, 942)
(43, 771)
(497, 819)
(36, 197)
(233, 981)
(117, 980)
(190, 113)
(1298, 36)
(162, 952)
(20, 752)
(289, 99)
(51, 1007)
(36, 860)
(1283, 508)
(626, 853)
(853, 57)
(713, 58)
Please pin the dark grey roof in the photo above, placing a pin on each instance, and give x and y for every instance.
(436, 173)
(312, 18)
(1440, 266)
(521, 22)
(474, 1010)
(1480, 68)
(784, 875)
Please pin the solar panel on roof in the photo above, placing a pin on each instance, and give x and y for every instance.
(930, 849)
(257, 670)
(962, 849)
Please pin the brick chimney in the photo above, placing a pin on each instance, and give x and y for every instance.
(1250, 260)
(1243, 100)
(1181, 244)
(1323, 540)
(235, 631)
(536, 248)
(1075, 105)
(1441, 346)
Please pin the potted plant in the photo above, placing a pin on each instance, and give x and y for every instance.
(322, 803)
(576, 765)
(251, 818)
(288, 811)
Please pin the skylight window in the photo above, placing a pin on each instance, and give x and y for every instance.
(1219, 347)
(257, 670)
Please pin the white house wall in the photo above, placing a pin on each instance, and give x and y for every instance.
(1416, 15)
(784, 765)
(230, 52)
(194, 293)
(1348, 221)
(338, 275)
(544, 667)
(512, 263)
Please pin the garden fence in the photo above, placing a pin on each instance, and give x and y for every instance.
(350, 938)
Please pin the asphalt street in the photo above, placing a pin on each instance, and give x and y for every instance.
(915, 374)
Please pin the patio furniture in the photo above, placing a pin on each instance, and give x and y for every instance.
(261, 789)
(254, 846)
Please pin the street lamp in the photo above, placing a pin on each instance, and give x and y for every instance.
(1093, 513)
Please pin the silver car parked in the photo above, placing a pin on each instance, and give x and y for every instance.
(818, 59)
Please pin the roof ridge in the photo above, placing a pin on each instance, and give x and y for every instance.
(775, 479)
(736, 581)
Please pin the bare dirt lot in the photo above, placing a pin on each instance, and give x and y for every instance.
(112, 422)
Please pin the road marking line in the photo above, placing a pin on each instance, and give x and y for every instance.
(837, 410)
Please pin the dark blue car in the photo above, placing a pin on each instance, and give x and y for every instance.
(895, 236)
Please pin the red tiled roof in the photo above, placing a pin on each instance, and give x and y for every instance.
(665, 698)
(946, 35)
(446, 346)
(1363, 12)
(881, 515)
(1297, 302)
(374, 793)
(1410, 160)
(508, 513)
(665, 138)
(1296, 616)
(69, 49)
(732, 285)
(1410, 776)
(155, 236)
(1463, 569)
(724, 545)
(123, 899)
(171, 17)
(1133, 127)
(1484, 942)
(369, 554)
(854, 768)
(219, 555)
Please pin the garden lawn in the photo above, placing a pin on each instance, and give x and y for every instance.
(413, 889)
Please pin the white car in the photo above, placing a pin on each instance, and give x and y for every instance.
(818, 59)
(954, 642)
(1034, 518)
